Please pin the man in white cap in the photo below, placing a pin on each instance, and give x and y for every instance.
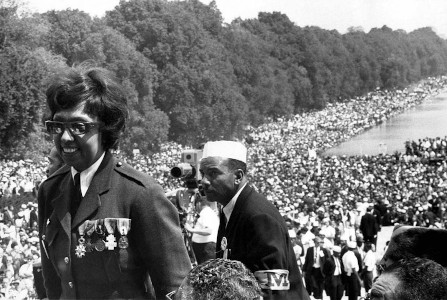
(351, 267)
(251, 229)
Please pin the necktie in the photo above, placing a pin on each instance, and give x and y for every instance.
(76, 195)
(337, 266)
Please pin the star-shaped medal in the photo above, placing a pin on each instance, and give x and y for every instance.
(80, 250)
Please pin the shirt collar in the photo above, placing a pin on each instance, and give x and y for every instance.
(228, 209)
(87, 175)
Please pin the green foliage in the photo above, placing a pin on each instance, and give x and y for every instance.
(21, 97)
(189, 77)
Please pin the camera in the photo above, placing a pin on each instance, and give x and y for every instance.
(188, 168)
(185, 199)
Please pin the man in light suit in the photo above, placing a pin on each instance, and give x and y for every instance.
(316, 257)
(105, 228)
(251, 229)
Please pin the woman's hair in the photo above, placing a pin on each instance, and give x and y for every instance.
(102, 94)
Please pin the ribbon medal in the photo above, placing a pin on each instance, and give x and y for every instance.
(89, 229)
(123, 228)
(99, 229)
(110, 224)
(80, 248)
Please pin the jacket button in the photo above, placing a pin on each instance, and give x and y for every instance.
(70, 284)
(66, 260)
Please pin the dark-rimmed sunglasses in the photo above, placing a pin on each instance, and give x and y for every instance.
(76, 128)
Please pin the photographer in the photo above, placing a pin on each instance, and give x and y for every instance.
(204, 233)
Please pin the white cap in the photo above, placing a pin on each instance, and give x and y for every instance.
(226, 149)
(336, 249)
(352, 244)
(292, 233)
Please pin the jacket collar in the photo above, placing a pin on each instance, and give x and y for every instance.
(90, 202)
(99, 185)
(239, 206)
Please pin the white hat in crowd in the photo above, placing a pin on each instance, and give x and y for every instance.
(226, 149)
(292, 233)
(352, 244)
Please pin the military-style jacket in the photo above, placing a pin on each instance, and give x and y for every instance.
(154, 259)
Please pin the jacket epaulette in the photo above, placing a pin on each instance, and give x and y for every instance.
(126, 170)
(61, 171)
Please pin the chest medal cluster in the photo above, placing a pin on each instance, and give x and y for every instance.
(99, 235)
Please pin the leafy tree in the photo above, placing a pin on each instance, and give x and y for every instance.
(21, 97)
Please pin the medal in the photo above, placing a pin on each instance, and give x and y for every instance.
(110, 225)
(223, 244)
(88, 245)
(123, 242)
(111, 242)
(80, 248)
(99, 227)
(123, 227)
(89, 229)
(99, 244)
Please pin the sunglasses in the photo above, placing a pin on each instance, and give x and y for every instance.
(76, 128)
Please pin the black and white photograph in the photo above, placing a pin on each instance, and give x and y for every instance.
(223, 149)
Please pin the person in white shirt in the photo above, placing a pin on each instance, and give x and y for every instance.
(332, 270)
(313, 268)
(204, 232)
(369, 262)
(328, 230)
(351, 267)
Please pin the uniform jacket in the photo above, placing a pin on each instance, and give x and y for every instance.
(257, 235)
(155, 241)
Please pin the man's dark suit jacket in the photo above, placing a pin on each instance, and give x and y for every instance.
(309, 260)
(329, 266)
(155, 247)
(368, 226)
(257, 236)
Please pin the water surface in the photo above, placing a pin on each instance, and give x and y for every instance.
(428, 119)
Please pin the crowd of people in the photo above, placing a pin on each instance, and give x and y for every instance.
(429, 149)
(19, 251)
(315, 194)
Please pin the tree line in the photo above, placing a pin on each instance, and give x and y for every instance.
(189, 76)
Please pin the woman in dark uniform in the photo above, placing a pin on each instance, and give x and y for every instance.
(107, 231)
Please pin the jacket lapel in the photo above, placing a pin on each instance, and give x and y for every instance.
(238, 208)
(61, 202)
(99, 185)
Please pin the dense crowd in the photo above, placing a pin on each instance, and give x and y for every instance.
(427, 148)
(286, 165)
